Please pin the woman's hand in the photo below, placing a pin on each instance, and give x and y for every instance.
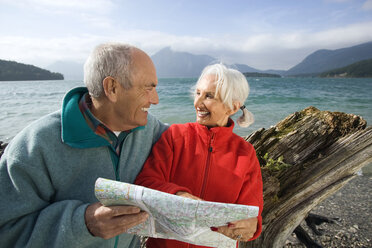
(187, 195)
(241, 230)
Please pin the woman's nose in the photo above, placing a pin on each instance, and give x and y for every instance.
(197, 101)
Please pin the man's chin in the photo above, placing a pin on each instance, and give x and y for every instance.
(143, 123)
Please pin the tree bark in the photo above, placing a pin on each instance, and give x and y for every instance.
(305, 158)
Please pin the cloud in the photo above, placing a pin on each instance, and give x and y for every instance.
(42, 52)
(367, 5)
(263, 51)
(95, 13)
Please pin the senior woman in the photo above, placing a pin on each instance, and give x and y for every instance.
(206, 160)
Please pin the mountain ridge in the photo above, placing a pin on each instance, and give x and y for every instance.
(14, 71)
(324, 60)
(360, 69)
(170, 63)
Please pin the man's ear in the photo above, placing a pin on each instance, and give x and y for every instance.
(236, 107)
(110, 87)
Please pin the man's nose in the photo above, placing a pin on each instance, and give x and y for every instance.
(154, 97)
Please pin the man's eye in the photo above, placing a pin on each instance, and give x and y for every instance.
(209, 96)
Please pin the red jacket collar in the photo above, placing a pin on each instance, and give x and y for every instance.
(220, 133)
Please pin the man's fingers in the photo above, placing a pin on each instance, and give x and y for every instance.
(113, 211)
(107, 222)
(123, 210)
(122, 223)
(128, 221)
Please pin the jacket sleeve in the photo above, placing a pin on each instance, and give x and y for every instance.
(252, 190)
(156, 172)
(28, 215)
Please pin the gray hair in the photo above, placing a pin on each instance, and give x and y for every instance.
(231, 86)
(109, 59)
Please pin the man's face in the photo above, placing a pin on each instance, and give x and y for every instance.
(131, 109)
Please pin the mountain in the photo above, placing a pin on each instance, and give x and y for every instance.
(13, 71)
(71, 70)
(325, 60)
(244, 68)
(169, 63)
(361, 69)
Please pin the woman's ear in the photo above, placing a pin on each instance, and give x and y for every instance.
(110, 87)
(236, 107)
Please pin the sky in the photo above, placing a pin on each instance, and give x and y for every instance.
(264, 34)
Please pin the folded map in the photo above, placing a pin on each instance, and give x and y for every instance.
(172, 216)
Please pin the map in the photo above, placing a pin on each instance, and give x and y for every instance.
(172, 216)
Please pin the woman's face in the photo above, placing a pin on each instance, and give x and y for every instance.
(210, 111)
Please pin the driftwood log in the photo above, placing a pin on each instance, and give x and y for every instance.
(304, 159)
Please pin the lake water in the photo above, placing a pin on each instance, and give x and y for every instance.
(270, 100)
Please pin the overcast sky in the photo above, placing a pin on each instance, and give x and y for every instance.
(272, 34)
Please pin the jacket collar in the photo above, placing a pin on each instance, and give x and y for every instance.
(75, 130)
(220, 133)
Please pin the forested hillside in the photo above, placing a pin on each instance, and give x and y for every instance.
(361, 69)
(13, 71)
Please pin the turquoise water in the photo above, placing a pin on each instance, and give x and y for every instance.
(270, 100)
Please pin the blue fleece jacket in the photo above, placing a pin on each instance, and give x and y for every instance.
(47, 176)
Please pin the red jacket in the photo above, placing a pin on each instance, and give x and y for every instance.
(214, 164)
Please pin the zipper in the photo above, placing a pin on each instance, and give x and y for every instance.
(115, 162)
(210, 149)
(115, 159)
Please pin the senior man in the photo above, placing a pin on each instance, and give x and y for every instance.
(48, 171)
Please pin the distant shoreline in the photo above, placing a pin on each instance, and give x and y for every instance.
(14, 71)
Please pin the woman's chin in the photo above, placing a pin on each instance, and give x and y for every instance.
(203, 122)
(200, 121)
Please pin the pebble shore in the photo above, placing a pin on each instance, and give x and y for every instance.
(352, 207)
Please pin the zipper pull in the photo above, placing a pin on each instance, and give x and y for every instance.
(210, 143)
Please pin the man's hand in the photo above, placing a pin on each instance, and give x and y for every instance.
(108, 222)
(188, 195)
(241, 230)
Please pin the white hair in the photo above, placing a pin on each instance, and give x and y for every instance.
(231, 87)
(109, 59)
